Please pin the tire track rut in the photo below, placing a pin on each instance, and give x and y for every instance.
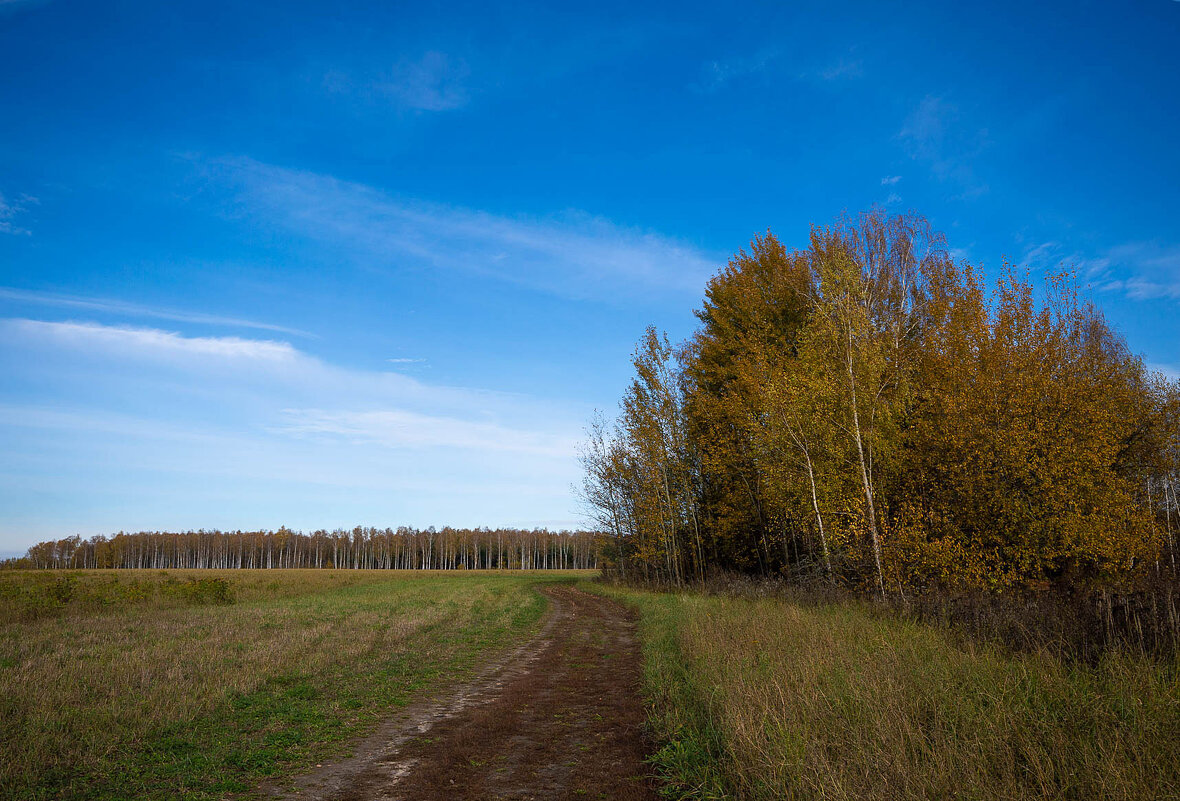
(559, 717)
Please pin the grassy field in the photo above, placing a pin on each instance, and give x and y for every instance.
(762, 699)
(142, 684)
(199, 684)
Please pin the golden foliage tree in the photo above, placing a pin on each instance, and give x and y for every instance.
(866, 406)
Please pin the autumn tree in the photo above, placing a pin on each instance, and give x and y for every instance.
(868, 405)
(751, 318)
(863, 326)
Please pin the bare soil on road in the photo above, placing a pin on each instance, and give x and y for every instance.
(560, 717)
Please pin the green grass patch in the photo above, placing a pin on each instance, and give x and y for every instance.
(194, 690)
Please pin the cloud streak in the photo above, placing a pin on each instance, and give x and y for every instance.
(291, 392)
(574, 255)
(136, 310)
(124, 339)
(404, 429)
(10, 210)
(148, 428)
(716, 75)
(843, 69)
(1141, 271)
(435, 82)
(935, 134)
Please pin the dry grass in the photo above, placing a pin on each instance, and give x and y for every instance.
(764, 699)
(94, 690)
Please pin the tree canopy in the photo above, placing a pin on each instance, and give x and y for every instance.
(866, 410)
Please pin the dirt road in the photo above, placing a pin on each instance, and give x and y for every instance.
(558, 718)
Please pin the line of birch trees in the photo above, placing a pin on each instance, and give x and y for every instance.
(868, 410)
(403, 548)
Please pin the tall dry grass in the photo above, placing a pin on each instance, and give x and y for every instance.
(91, 687)
(764, 699)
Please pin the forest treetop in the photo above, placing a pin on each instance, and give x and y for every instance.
(362, 547)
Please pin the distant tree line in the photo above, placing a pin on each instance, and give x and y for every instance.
(865, 410)
(403, 548)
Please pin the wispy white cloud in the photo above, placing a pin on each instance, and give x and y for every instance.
(1138, 288)
(434, 82)
(301, 394)
(124, 339)
(404, 429)
(925, 128)
(119, 307)
(573, 254)
(11, 210)
(1137, 270)
(936, 135)
(248, 456)
(715, 75)
(1043, 255)
(892, 199)
(842, 69)
(404, 360)
(836, 69)
(145, 428)
(890, 180)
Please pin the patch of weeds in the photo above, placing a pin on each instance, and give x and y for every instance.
(198, 591)
(62, 589)
(687, 767)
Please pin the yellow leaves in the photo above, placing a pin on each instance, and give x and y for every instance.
(870, 390)
(1016, 438)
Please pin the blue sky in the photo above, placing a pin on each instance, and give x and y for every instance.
(266, 263)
